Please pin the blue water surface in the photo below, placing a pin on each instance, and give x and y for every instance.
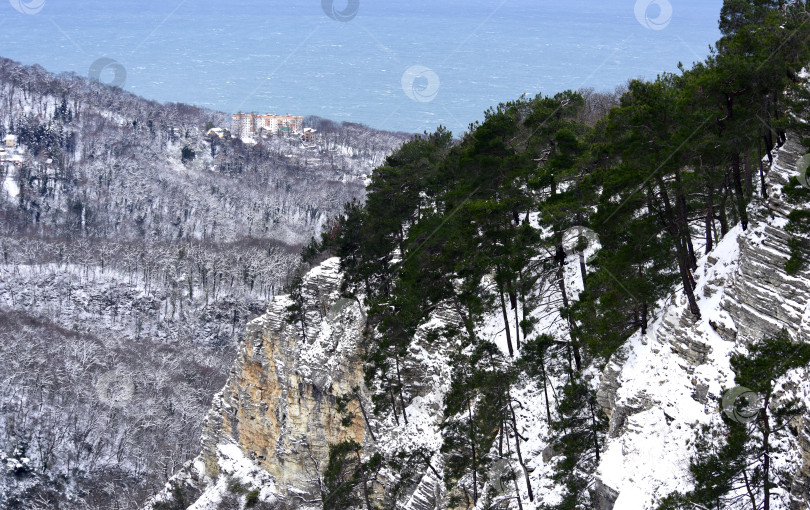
(346, 60)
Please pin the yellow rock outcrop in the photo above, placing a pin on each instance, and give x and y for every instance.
(279, 404)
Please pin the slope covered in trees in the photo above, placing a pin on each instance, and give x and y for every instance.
(133, 250)
(486, 226)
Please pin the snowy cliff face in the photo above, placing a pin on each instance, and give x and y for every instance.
(279, 405)
(661, 387)
(269, 430)
(271, 426)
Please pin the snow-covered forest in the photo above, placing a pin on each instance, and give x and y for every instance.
(133, 250)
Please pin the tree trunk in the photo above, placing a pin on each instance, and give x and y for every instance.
(766, 455)
(513, 298)
(545, 384)
(500, 439)
(522, 288)
(749, 490)
(595, 432)
(749, 180)
(474, 459)
(644, 318)
(781, 135)
(763, 191)
(468, 324)
(393, 402)
(688, 282)
(365, 416)
(365, 482)
(709, 216)
(582, 268)
(683, 221)
(561, 280)
(722, 216)
(683, 257)
(767, 135)
(506, 323)
(520, 456)
(738, 190)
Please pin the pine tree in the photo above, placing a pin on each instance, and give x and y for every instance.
(348, 479)
(296, 311)
(579, 433)
(476, 408)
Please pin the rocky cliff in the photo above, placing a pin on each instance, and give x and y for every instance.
(661, 387)
(270, 428)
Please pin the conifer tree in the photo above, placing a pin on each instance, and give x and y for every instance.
(348, 479)
(579, 433)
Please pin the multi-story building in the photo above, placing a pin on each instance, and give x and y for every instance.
(243, 125)
(249, 125)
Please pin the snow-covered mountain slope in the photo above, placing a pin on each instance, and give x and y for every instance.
(270, 428)
(663, 386)
(134, 248)
(268, 433)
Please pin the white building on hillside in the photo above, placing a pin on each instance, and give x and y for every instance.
(249, 125)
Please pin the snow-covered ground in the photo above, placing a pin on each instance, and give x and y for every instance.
(652, 458)
(665, 397)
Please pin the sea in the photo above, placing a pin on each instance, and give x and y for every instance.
(404, 65)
